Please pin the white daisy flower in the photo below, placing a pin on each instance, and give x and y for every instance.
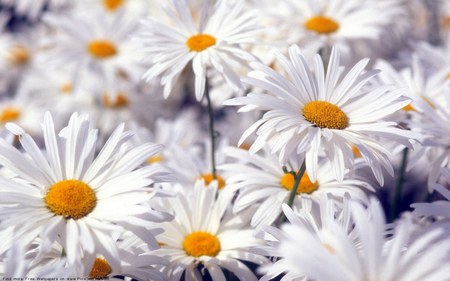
(204, 233)
(261, 181)
(211, 41)
(434, 125)
(136, 262)
(328, 22)
(95, 45)
(397, 257)
(310, 112)
(319, 221)
(71, 195)
(438, 210)
(419, 83)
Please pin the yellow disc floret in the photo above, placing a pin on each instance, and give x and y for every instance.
(201, 243)
(305, 186)
(72, 199)
(200, 42)
(120, 101)
(101, 49)
(325, 115)
(9, 114)
(322, 25)
(112, 5)
(100, 270)
(19, 55)
(155, 159)
(208, 178)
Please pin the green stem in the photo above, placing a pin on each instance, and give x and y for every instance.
(294, 189)
(212, 133)
(399, 184)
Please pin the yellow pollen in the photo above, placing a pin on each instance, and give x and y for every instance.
(19, 55)
(356, 152)
(72, 199)
(305, 186)
(121, 101)
(112, 5)
(155, 159)
(66, 88)
(201, 243)
(101, 49)
(100, 270)
(445, 22)
(325, 115)
(409, 107)
(322, 25)
(208, 178)
(245, 146)
(200, 42)
(448, 76)
(9, 114)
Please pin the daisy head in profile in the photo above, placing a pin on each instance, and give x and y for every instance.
(206, 236)
(312, 112)
(209, 38)
(72, 195)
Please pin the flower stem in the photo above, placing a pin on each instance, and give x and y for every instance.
(399, 184)
(294, 189)
(212, 133)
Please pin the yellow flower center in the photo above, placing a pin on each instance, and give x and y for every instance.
(101, 49)
(66, 88)
(325, 115)
(445, 22)
(155, 159)
(200, 42)
(9, 114)
(72, 199)
(305, 186)
(322, 25)
(100, 270)
(201, 243)
(120, 101)
(112, 5)
(19, 55)
(208, 178)
(356, 152)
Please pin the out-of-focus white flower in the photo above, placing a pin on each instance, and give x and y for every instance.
(318, 220)
(95, 45)
(376, 256)
(211, 38)
(203, 232)
(324, 23)
(76, 197)
(434, 125)
(311, 112)
(261, 181)
(438, 210)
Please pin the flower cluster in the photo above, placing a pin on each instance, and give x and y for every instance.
(225, 140)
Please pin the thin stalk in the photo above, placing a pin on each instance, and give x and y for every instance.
(294, 189)
(212, 133)
(399, 184)
(297, 177)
